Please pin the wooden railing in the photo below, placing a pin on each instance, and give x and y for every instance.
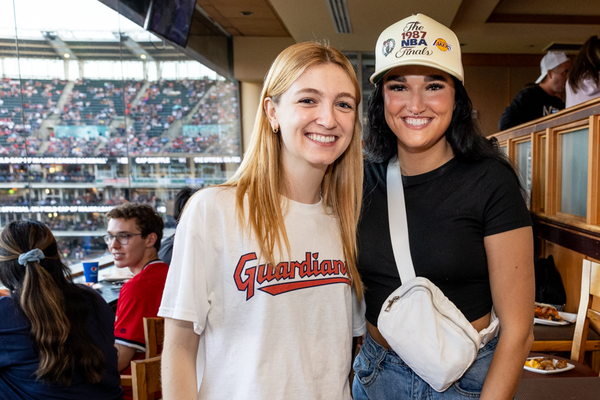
(568, 235)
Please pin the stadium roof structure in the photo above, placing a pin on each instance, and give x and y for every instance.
(119, 49)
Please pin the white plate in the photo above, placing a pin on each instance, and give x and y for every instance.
(554, 371)
(568, 318)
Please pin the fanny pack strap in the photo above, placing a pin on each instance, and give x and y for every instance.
(399, 237)
(397, 221)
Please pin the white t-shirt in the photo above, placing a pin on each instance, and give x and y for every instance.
(264, 335)
(587, 91)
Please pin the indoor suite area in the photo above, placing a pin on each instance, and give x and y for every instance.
(319, 199)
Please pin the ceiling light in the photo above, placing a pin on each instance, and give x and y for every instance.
(338, 10)
(143, 56)
(67, 55)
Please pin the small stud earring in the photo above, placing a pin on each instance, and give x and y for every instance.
(275, 130)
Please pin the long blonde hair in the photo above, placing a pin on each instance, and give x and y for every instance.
(260, 175)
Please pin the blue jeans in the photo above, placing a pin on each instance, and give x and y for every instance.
(379, 374)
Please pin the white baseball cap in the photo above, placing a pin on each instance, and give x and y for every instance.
(418, 40)
(550, 61)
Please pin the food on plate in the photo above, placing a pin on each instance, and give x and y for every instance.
(546, 363)
(546, 311)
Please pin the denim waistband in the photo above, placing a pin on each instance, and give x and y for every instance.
(374, 349)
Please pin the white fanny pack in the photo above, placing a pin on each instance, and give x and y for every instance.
(429, 333)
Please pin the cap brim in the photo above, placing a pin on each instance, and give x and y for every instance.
(541, 78)
(378, 75)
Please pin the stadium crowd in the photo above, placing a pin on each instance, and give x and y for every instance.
(146, 118)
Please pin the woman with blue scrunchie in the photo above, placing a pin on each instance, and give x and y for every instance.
(56, 337)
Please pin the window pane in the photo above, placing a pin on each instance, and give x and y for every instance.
(524, 167)
(368, 68)
(101, 114)
(543, 175)
(574, 172)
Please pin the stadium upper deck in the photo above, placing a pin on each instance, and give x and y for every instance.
(89, 118)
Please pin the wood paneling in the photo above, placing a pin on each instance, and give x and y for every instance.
(568, 263)
(545, 19)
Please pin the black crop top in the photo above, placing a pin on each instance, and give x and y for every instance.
(449, 211)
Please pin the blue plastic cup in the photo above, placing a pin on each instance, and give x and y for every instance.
(90, 270)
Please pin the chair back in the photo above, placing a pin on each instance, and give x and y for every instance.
(586, 317)
(154, 331)
(145, 377)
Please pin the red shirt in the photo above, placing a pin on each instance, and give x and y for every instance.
(140, 297)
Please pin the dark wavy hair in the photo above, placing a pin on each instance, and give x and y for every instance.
(180, 200)
(586, 65)
(53, 304)
(463, 134)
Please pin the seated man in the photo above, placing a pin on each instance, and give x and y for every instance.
(544, 98)
(134, 235)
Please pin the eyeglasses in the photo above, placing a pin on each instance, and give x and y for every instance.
(122, 238)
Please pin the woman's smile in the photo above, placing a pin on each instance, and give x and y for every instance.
(417, 122)
(321, 138)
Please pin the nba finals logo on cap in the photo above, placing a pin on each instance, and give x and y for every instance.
(417, 40)
(388, 47)
(413, 35)
(442, 44)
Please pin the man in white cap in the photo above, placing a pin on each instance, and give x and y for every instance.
(545, 98)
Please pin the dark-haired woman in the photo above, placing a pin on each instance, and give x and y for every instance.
(56, 337)
(584, 78)
(468, 226)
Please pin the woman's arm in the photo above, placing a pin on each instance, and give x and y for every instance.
(512, 281)
(179, 360)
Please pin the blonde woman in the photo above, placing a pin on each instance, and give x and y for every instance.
(258, 297)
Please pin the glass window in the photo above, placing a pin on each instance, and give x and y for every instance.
(102, 113)
(524, 167)
(574, 172)
(368, 69)
(543, 174)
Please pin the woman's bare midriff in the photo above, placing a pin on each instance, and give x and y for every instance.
(479, 325)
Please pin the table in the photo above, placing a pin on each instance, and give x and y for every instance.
(110, 293)
(560, 389)
(109, 290)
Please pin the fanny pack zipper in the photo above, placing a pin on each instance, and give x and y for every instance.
(428, 291)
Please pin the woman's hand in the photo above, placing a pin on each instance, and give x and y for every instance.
(512, 281)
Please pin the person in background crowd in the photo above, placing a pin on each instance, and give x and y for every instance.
(56, 337)
(133, 238)
(464, 209)
(584, 80)
(166, 247)
(546, 98)
(258, 301)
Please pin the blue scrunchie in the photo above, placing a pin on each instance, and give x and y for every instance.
(33, 255)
